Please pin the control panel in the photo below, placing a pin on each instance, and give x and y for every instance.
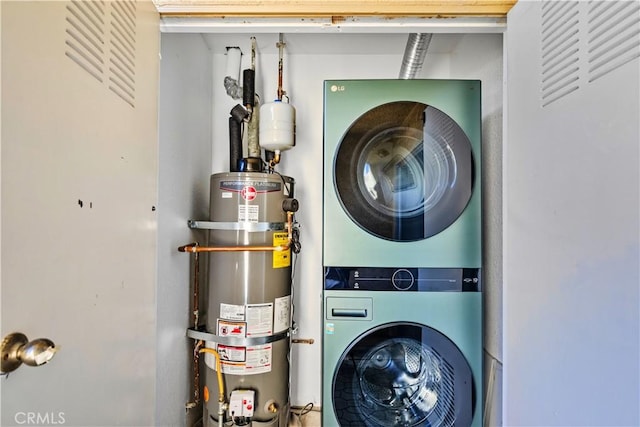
(403, 279)
(241, 403)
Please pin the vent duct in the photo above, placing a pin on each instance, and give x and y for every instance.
(414, 53)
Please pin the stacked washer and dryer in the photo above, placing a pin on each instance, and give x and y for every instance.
(402, 314)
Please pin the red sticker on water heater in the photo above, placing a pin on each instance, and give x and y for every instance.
(248, 193)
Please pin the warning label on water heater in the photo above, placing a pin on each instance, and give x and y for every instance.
(245, 360)
(281, 259)
(231, 311)
(259, 319)
(231, 329)
(282, 314)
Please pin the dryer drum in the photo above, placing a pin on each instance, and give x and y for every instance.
(404, 171)
(403, 375)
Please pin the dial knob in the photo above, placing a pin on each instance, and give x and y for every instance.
(402, 279)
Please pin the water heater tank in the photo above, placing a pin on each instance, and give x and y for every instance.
(249, 295)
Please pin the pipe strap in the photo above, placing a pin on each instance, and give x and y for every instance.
(236, 341)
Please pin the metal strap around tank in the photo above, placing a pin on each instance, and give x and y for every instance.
(236, 341)
(233, 226)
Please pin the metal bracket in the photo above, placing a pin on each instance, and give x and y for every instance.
(236, 341)
(235, 226)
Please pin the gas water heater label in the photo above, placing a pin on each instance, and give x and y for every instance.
(231, 329)
(248, 213)
(229, 353)
(259, 319)
(281, 259)
(282, 314)
(231, 312)
(245, 360)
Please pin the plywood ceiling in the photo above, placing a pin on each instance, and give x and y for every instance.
(335, 8)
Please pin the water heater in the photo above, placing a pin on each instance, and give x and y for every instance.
(245, 339)
(249, 304)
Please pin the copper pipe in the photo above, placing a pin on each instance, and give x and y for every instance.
(196, 318)
(196, 288)
(289, 228)
(195, 248)
(280, 46)
(275, 160)
(302, 341)
(196, 371)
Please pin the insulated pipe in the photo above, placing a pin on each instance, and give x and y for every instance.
(235, 144)
(253, 143)
(249, 88)
(414, 53)
(238, 114)
(234, 90)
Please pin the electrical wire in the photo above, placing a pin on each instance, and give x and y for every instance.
(298, 417)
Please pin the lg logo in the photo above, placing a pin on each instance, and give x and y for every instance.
(38, 418)
(336, 88)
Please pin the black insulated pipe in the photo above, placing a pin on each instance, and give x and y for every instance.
(248, 87)
(239, 113)
(235, 144)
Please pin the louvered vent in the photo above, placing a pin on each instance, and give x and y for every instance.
(560, 50)
(85, 36)
(614, 36)
(101, 39)
(122, 51)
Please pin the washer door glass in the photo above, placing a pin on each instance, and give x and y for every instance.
(403, 374)
(404, 171)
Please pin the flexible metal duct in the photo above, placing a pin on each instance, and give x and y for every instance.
(414, 53)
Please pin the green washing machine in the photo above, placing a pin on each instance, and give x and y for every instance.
(402, 300)
(402, 347)
(402, 173)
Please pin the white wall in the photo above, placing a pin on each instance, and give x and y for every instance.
(183, 194)
(572, 235)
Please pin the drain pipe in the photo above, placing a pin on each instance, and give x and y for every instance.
(414, 53)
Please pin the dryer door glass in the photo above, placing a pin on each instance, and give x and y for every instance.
(403, 374)
(404, 171)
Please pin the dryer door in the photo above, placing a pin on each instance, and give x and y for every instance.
(404, 171)
(403, 374)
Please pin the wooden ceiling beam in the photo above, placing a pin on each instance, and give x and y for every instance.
(334, 8)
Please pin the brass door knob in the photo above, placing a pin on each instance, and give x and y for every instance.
(17, 349)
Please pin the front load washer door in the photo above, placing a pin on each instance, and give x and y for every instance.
(404, 171)
(403, 374)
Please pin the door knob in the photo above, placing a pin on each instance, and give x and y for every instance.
(17, 349)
